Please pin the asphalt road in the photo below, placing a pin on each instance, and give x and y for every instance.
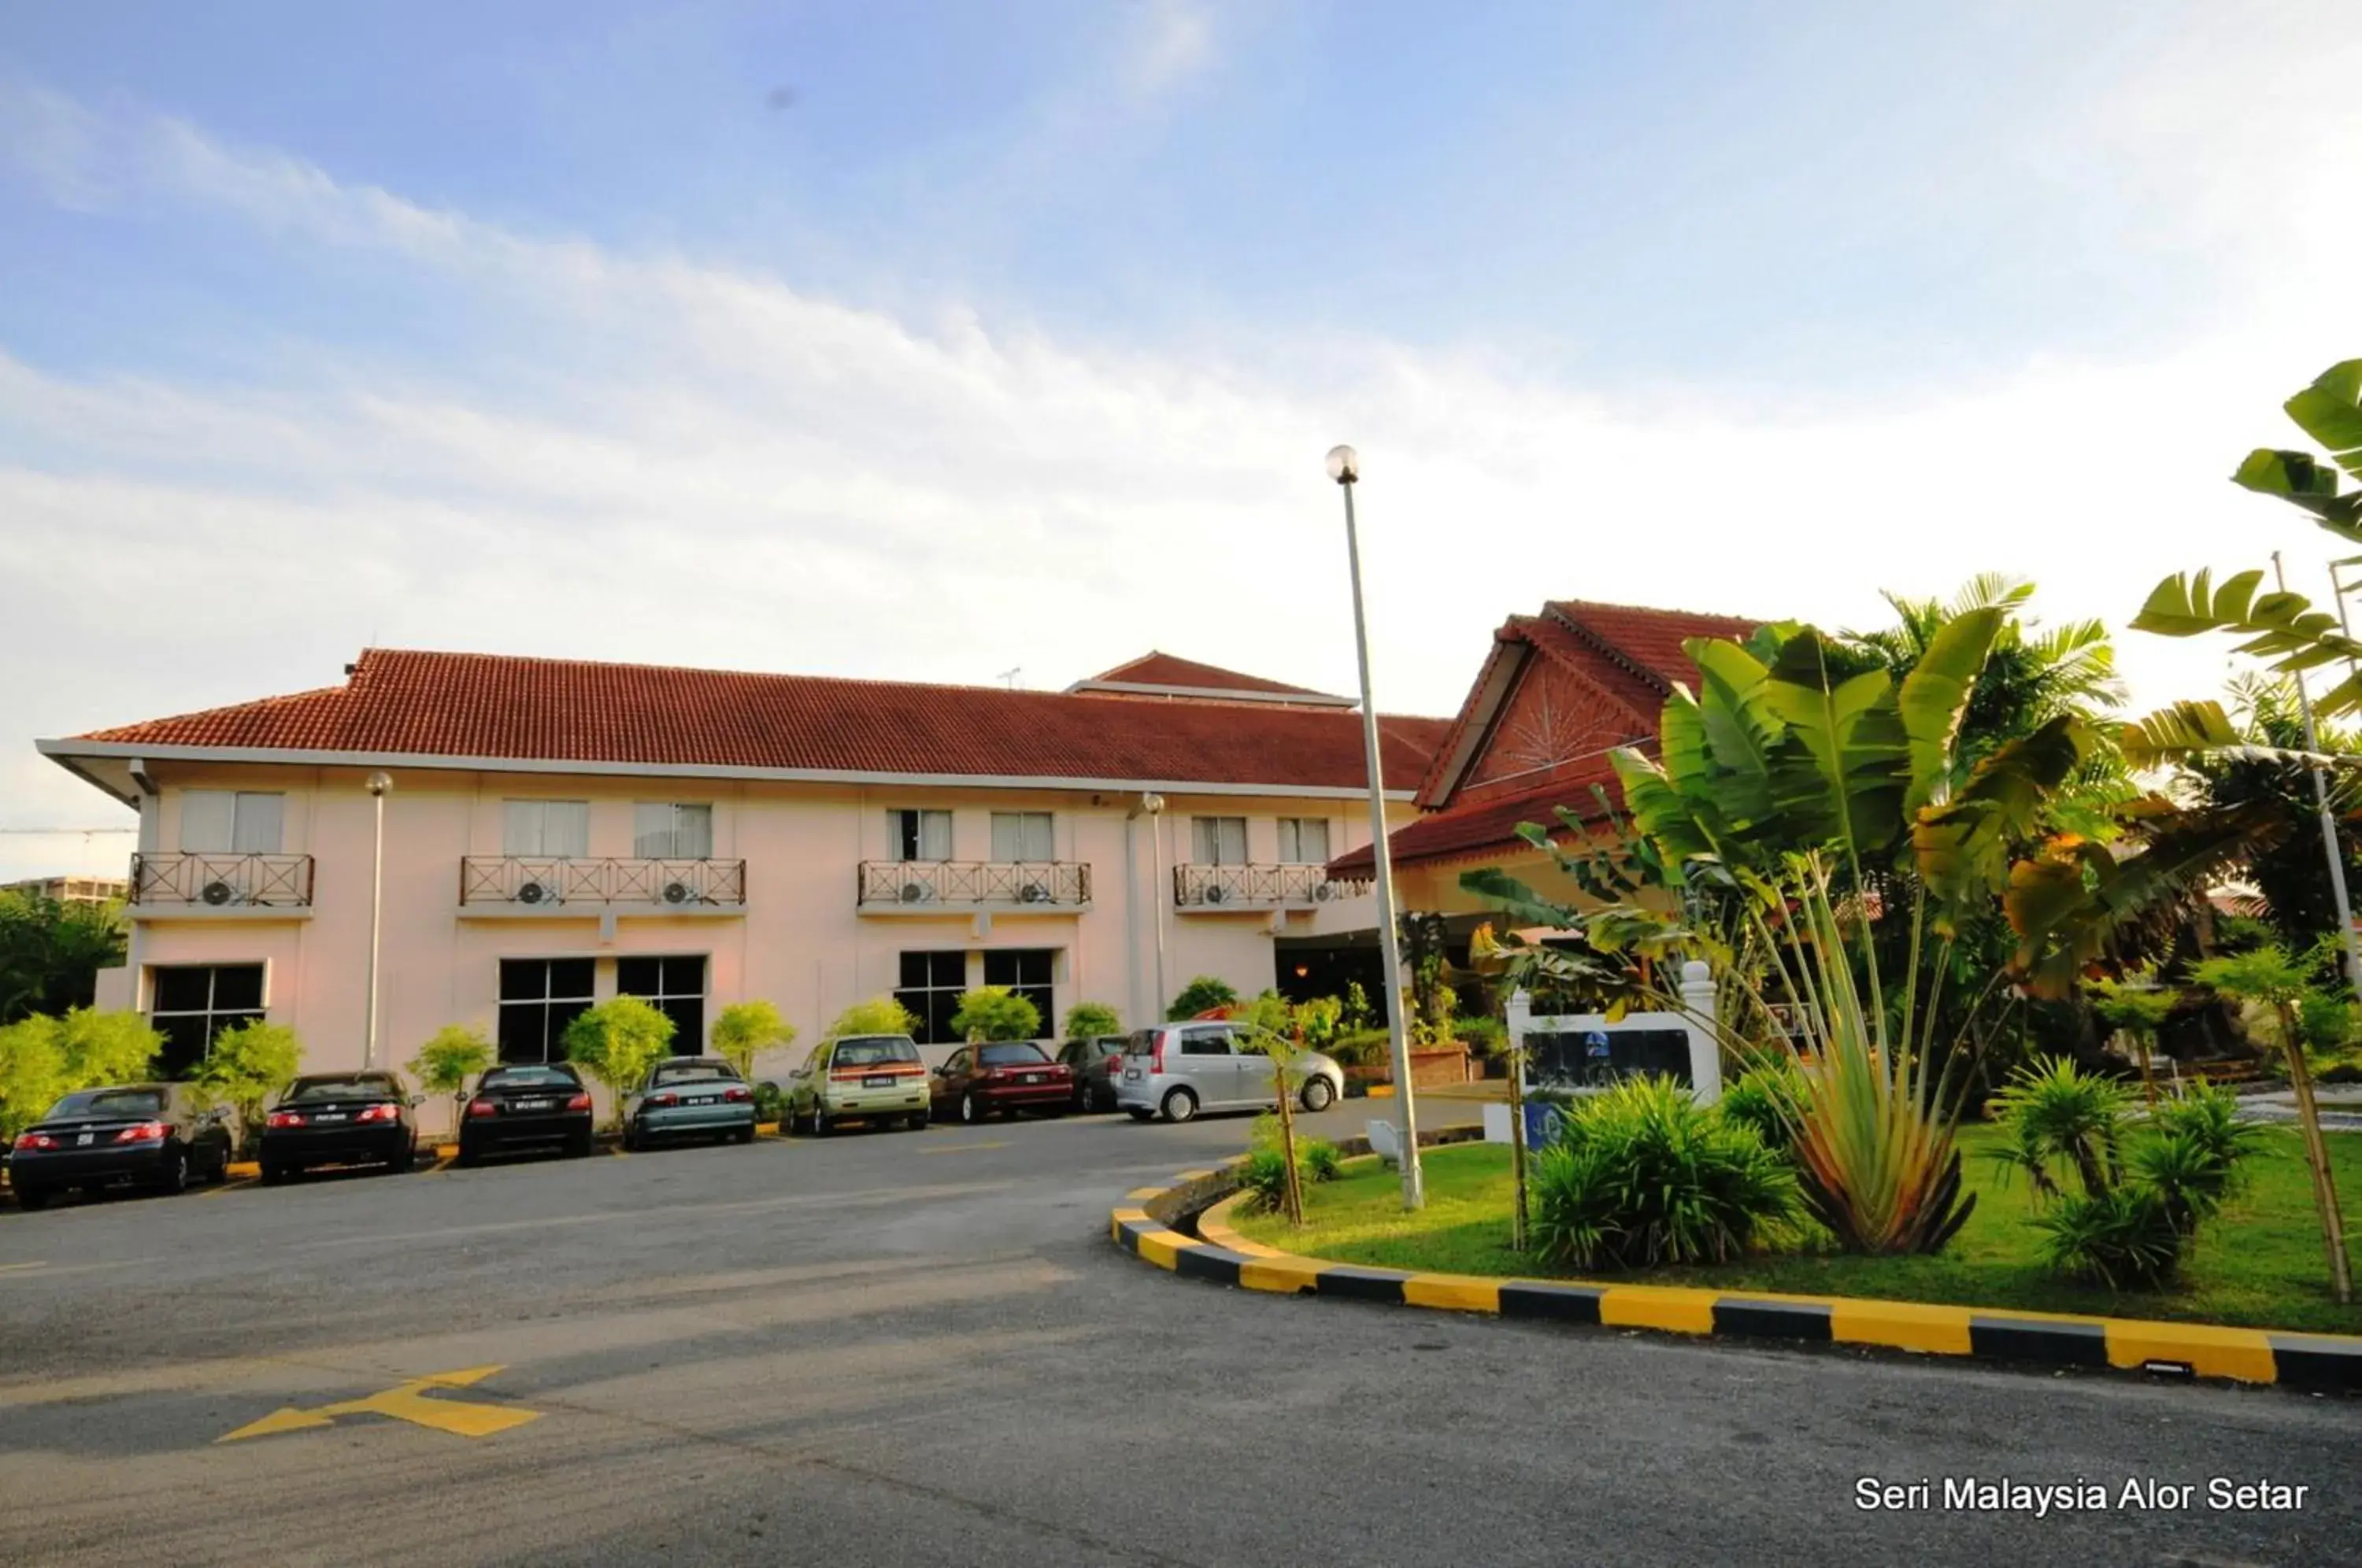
(908, 1348)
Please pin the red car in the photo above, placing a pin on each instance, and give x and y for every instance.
(1014, 1075)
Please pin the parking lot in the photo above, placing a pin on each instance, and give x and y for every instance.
(919, 1347)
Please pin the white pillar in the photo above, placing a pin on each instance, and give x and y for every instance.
(1699, 1019)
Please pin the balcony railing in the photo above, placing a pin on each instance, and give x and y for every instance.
(1050, 884)
(536, 882)
(1257, 887)
(221, 881)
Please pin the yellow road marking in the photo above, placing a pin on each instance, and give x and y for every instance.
(442, 1162)
(230, 1186)
(404, 1402)
(963, 1148)
(20, 1267)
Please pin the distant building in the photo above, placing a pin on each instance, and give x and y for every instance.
(74, 890)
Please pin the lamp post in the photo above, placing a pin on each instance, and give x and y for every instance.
(1345, 468)
(378, 784)
(1153, 804)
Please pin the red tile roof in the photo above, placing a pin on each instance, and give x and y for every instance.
(399, 702)
(1650, 641)
(1486, 828)
(1155, 668)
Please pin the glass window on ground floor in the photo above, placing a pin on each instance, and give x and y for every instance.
(930, 988)
(539, 997)
(675, 984)
(190, 1004)
(1027, 971)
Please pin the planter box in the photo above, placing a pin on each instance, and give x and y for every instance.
(1431, 1068)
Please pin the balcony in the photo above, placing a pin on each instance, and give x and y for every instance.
(1258, 887)
(924, 887)
(172, 886)
(524, 884)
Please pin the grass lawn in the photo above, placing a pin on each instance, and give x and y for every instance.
(2260, 1264)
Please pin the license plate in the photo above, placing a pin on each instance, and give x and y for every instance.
(1131, 1075)
(329, 1116)
(84, 1139)
(699, 1099)
(1033, 1078)
(878, 1080)
(534, 1104)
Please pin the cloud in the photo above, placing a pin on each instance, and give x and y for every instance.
(652, 457)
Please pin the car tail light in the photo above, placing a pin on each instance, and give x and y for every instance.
(666, 1097)
(737, 1092)
(482, 1108)
(379, 1114)
(284, 1119)
(1156, 1055)
(579, 1102)
(141, 1133)
(35, 1140)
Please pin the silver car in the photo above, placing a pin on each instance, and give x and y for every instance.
(1177, 1070)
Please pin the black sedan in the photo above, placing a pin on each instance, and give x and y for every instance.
(340, 1118)
(157, 1136)
(526, 1106)
(1096, 1063)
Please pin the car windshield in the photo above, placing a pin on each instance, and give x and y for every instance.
(874, 1053)
(111, 1102)
(338, 1088)
(1015, 1054)
(694, 1072)
(529, 1077)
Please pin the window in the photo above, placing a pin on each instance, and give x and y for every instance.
(931, 984)
(1011, 1053)
(1206, 1043)
(677, 987)
(194, 1002)
(873, 1051)
(1026, 971)
(224, 821)
(539, 997)
(1218, 841)
(699, 1072)
(1304, 841)
(919, 835)
(1022, 835)
(546, 829)
(663, 830)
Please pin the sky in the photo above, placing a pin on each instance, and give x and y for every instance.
(939, 341)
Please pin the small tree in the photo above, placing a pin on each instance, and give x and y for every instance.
(2139, 1009)
(744, 1030)
(1286, 1077)
(246, 1063)
(1357, 1007)
(450, 1057)
(996, 1012)
(1202, 994)
(1317, 1022)
(2269, 975)
(878, 1015)
(43, 1057)
(617, 1042)
(32, 1073)
(1085, 1019)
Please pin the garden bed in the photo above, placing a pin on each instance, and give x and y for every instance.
(2258, 1265)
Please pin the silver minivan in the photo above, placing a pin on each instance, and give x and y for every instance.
(1177, 1070)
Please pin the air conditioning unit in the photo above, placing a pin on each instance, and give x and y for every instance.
(531, 892)
(917, 890)
(676, 892)
(1034, 894)
(1215, 893)
(1324, 892)
(218, 892)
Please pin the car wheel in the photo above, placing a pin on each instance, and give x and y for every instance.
(174, 1178)
(821, 1124)
(631, 1138)
(220, 1173)
(916, 1121)
(31, 1198)
(1180, 1105)
(971, 1109)
(468, 1159)
(577, 1146)
(1139, 1115)
(744, 1134)
(1318, 1094)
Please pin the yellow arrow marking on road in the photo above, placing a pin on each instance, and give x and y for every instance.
(405, 1402)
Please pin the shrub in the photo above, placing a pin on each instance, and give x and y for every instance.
(1202, 994)
(1355, 1015)
(2192, 1159)
(2121, 1238)
(1318, 1021)
(1263, 1174)
(744, 1030)
(1085, 1019)
(1360, 1047)
(996, 1012)
(617, 1042)
(1766, 1098)
(878, 1015)
(1482, 1036)
(450, 1056)
(246, 1063)
(770, 1102)
(2057, 1113)
(1644, 1174)
(44, 1057)
(1321, 1161)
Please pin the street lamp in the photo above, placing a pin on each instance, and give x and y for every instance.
(1153, 804)
(1345, 468)
(377, 784)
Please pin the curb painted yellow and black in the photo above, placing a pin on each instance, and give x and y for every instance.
(2311, 1362)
